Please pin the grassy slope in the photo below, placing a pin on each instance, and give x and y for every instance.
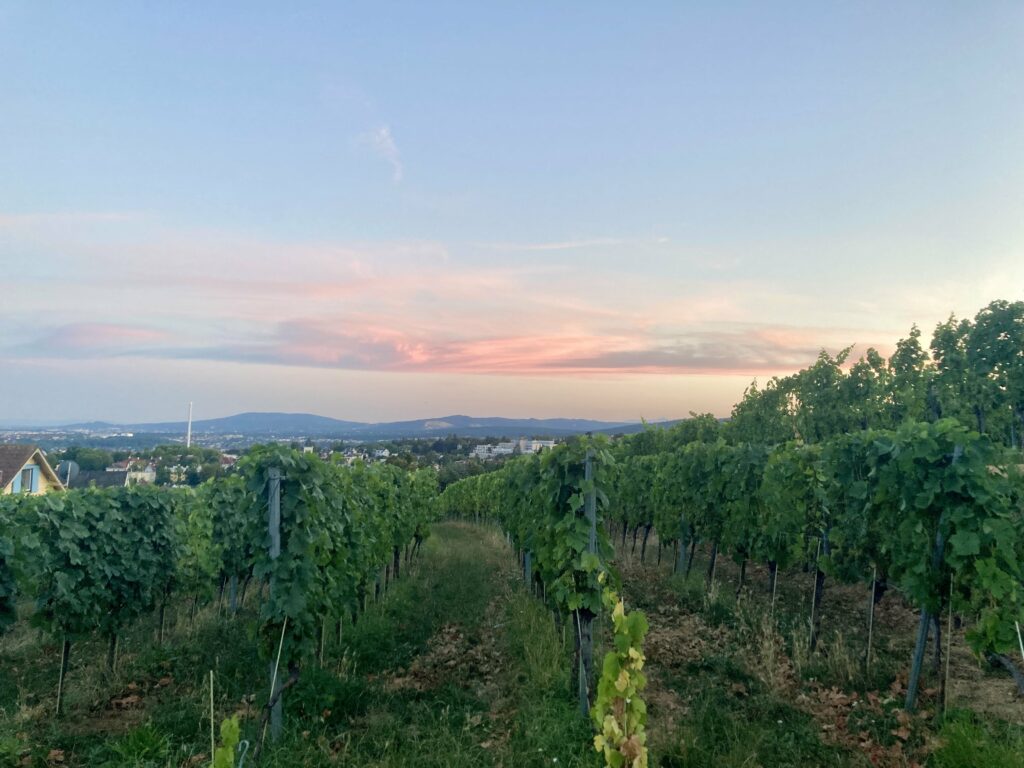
(733, 684)
(456, 667)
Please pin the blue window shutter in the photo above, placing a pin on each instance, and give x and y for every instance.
(35, 479)
(16, 485)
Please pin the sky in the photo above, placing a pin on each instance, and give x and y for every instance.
(380, 211)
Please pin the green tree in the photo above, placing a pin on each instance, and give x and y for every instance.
(866, 389)
(958, 393)
(995, 353)
(762, 416)
(911, 383)
(820, 407)
(89, 459)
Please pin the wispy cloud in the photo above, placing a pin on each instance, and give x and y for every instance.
(409, 306)
(87, 339)
(363, 342)
(383, 145)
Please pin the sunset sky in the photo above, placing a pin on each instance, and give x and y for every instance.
(378, 211)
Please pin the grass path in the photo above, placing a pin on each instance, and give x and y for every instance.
(456, 666)
(459, 668)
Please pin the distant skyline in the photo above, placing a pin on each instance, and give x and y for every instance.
(395, 212)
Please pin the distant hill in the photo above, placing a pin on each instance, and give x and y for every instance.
(254, 423)
(311, 425)
(472, 426)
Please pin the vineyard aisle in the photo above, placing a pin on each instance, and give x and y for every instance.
(481, 678)
(455, 666)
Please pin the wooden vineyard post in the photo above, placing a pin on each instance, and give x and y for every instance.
(274, 529)
(65, 657)
(922, 631)
(871, 618)
(680, 565)
(818, 577)
(233, 594)
(585, 620)
(323, 639)
(915, 666)
(712, 563)
(213, 738)
(775, 586)
(1020, 639)
(949, 650)
(689, 557)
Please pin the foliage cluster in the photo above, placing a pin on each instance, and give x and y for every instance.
(97, 559)
(924, 507)
(619, 714)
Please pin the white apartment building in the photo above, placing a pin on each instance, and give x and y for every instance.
(523, 445)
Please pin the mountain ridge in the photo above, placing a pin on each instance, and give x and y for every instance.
(274, 423)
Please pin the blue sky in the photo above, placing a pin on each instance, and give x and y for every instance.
(388, 210)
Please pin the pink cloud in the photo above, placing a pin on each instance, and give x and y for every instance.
(413, 306)
(371, 346)
(96, 336)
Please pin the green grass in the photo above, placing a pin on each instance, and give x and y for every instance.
(548, 729)
(968, 741)
(759, 730)
(734, 720)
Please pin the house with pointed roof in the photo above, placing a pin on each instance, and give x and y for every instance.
(24, 469)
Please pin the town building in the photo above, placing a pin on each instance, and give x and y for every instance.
(24, 469)
(145, 475)
(523, 445)
(110, 478)
(534, 446)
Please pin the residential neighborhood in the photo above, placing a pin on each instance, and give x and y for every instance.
(28, 467)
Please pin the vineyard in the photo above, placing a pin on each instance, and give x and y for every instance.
(299, 577)
(880, 477)
(314, 541)
(831, 577)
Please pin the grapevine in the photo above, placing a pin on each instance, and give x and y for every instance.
(619, 713)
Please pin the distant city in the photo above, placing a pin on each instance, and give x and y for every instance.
(37, 459)
(246, 429)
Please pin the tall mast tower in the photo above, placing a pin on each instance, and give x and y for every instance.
(188, 434)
